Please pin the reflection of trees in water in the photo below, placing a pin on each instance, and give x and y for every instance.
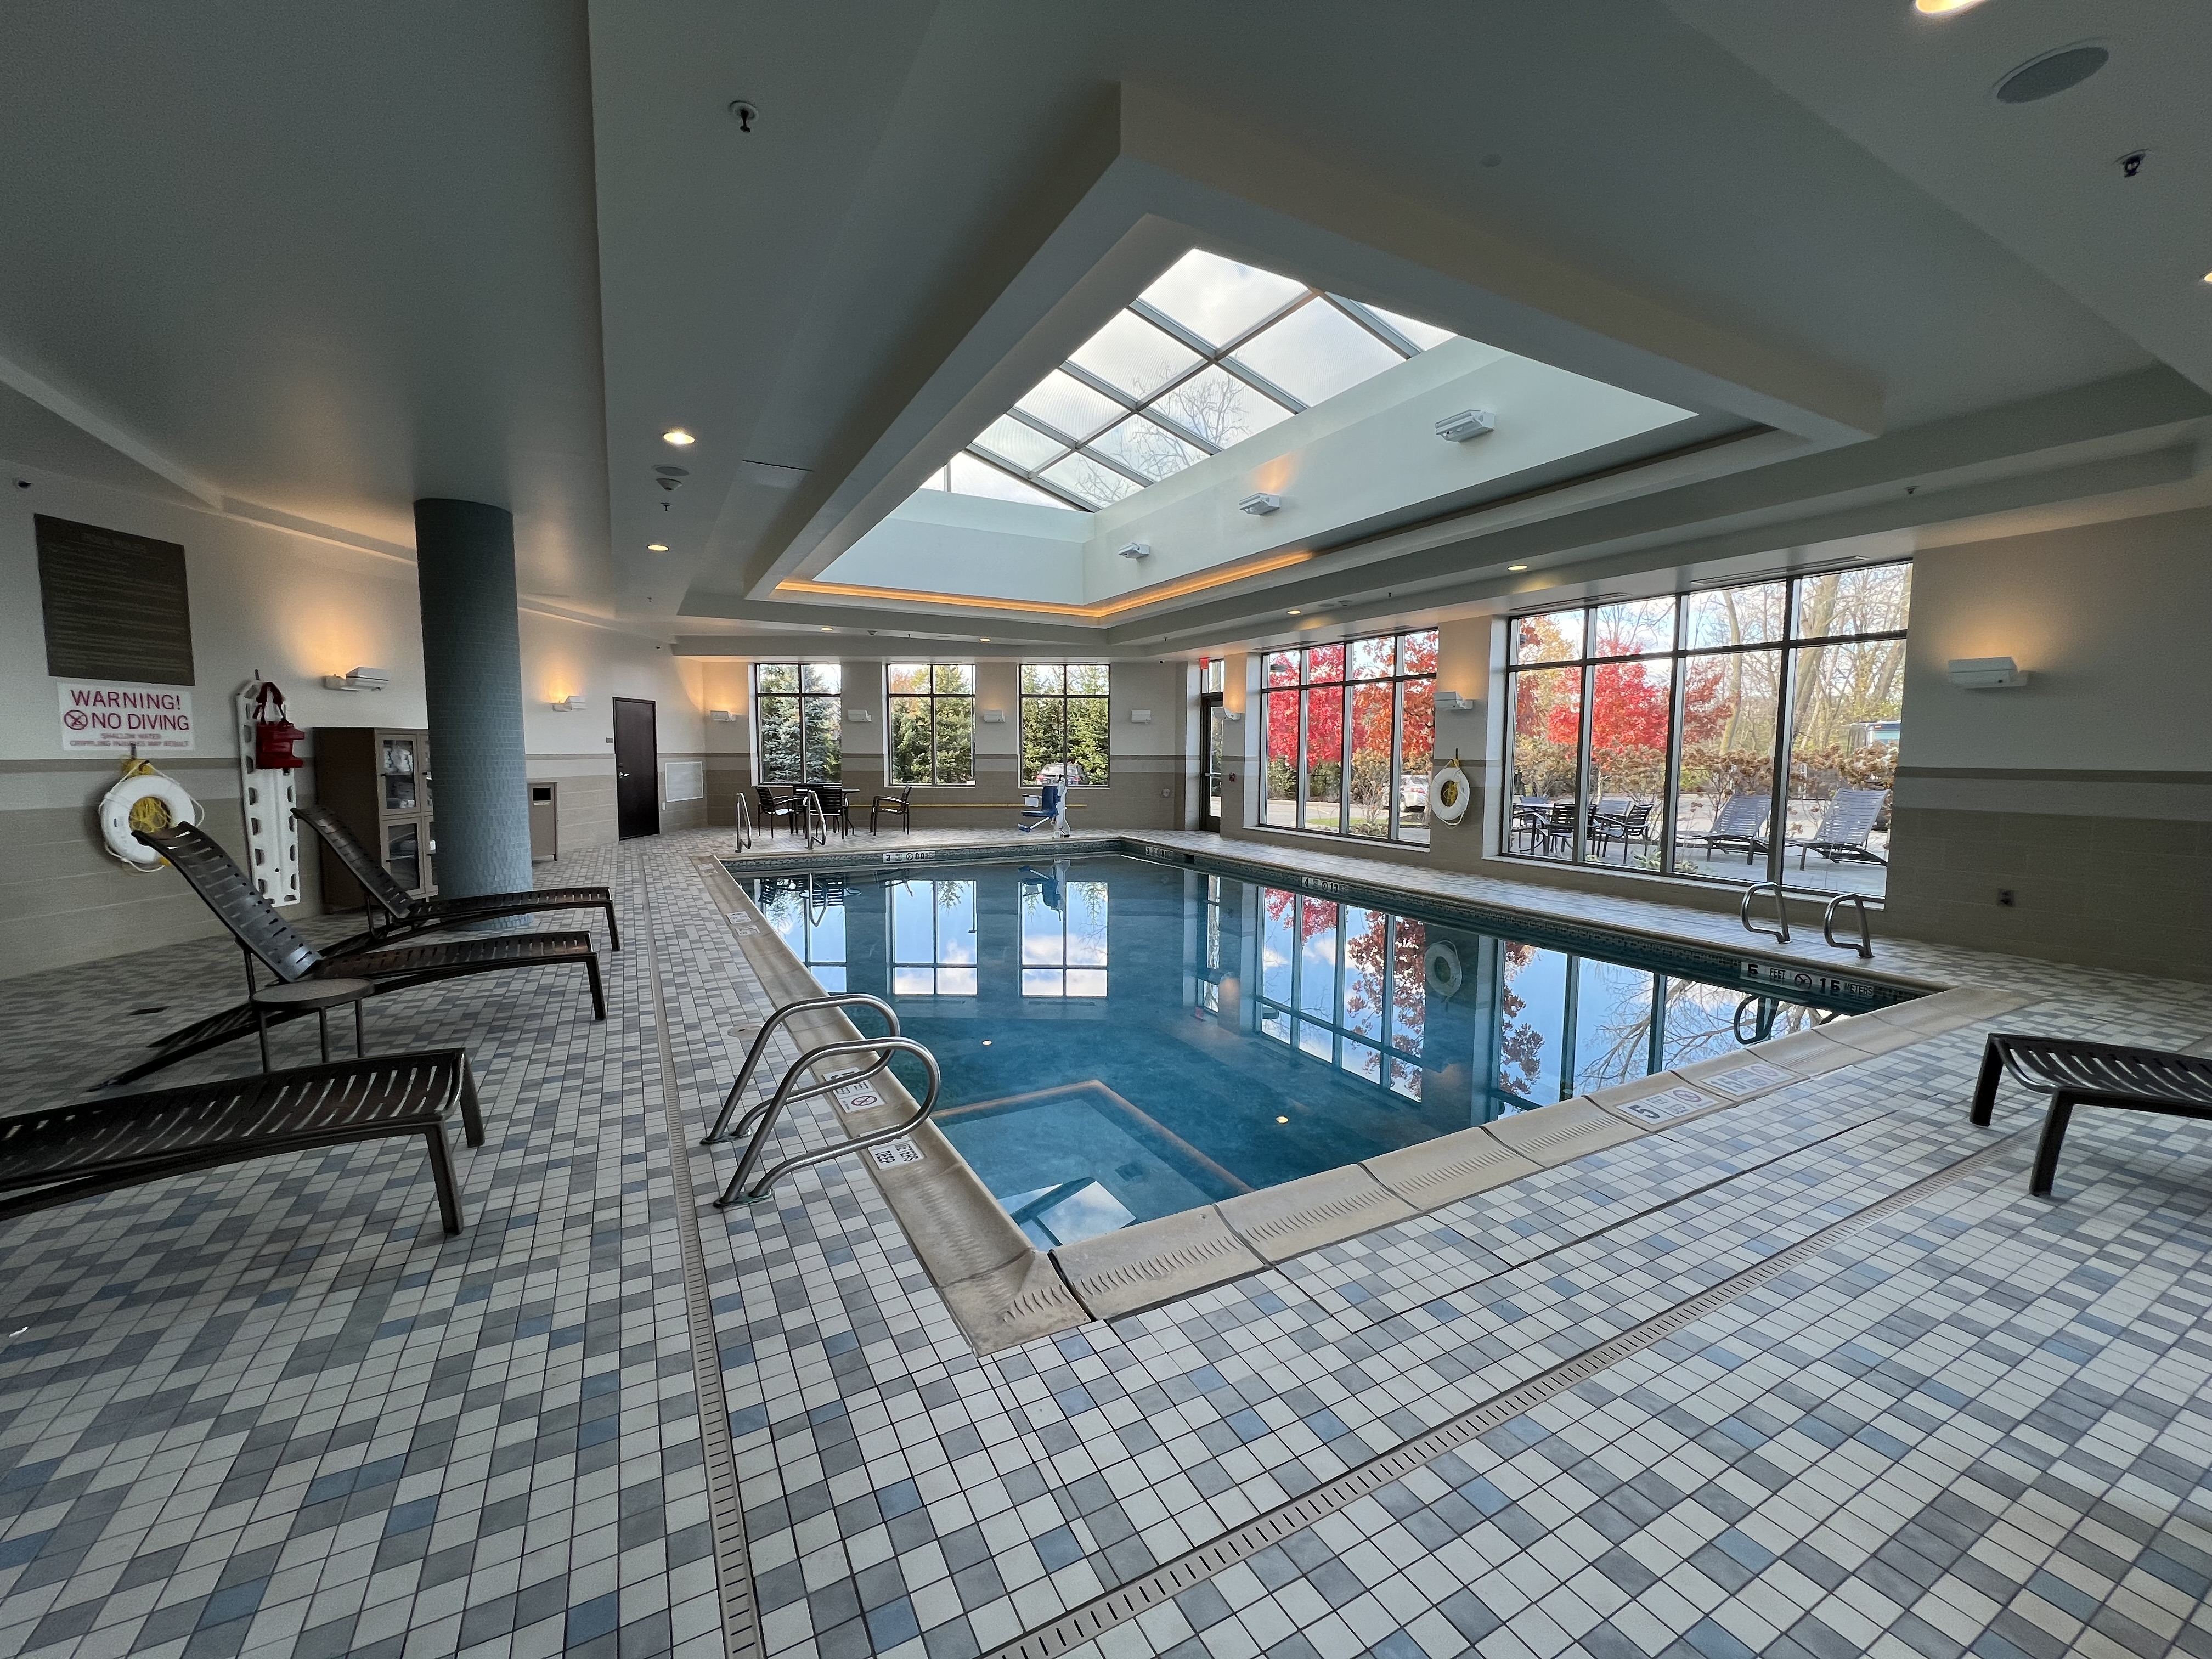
(1520, 1044)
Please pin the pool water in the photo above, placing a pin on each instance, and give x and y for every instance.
(1122, 1039)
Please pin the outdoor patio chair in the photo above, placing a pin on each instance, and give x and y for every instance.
(1557, 827)
(408, 915)
(67, 1152)
(898, 805)
(787, 807)
(1737, 826)
(837, 804)
(1630, 826)
(262, 934)
(2077, 1073)
(1844, 825)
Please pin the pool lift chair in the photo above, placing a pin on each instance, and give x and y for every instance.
(1051, 809)
(851, 1089)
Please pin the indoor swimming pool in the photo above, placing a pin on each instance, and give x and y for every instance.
(1122, 1038)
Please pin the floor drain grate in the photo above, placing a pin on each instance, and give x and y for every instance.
(733, 1576)
(1117, 1607)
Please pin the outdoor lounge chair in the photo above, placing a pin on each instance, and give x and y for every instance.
(898, 805)
(1844, 825)
(408, 915)
(2076, 1073)
(261, 933)
(65, 1152)
(1737, 826)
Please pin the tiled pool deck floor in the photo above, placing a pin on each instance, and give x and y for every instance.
(272, 1409)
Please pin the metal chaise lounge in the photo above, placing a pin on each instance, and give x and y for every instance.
(1739, 827)
(408, 915)
(262, 934)
(1844, 825)
(68, 1152)
(2076, 1073)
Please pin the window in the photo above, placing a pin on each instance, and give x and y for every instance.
(1213, 672)
(1672, 734)
(796, 707)
(1345, 986)
(1063, 937)
(1211, 353)
(933, 708)
(1067, 722)
(1350, 730)
(933, 939)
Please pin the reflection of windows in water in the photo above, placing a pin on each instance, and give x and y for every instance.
(810, 919)
(1063, 943)
(933, 939)
(1346, 986)
(1211, 968)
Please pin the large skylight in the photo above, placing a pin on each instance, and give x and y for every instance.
(1209, 355)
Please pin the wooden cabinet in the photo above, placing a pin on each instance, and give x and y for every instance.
(377, 780)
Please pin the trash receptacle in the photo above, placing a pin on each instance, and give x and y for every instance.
(544, 822)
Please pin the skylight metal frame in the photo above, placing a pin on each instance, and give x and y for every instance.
(1224, 358)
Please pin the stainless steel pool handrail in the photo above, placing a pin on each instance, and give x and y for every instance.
(810, 816)
(1865, 947)
(771, 1112)
(1780, 932)
(744, 823)
(790, 1010)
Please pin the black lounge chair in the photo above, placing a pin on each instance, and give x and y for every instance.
(67, 1152)
(1844, 825)
(261, 933)
(408, 915)
(2076, 1073)
(897, 805)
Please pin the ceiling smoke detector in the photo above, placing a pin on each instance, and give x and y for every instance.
(2052, 74)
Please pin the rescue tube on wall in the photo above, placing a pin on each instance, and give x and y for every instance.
(143, 799)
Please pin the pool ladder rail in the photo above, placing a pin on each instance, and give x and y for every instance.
(762, 1118)
(1780, 932)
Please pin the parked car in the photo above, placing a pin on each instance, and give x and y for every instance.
(1414, 792)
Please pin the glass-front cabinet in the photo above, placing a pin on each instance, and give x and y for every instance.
(378, 782)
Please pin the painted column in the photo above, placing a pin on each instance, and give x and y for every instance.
(472, 679)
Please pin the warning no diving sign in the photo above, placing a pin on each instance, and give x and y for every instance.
(158, 719)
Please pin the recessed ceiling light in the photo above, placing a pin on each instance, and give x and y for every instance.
(1282, 1120)
(1294, 611)
(828, 630)
(2207, 275)
(1943, 8)
(679, 436)
(1516, 566)
(656, 547)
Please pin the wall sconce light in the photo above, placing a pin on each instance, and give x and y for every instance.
(1135, 551)
(1261, 505)
(1232, 714)
(1467, 423)
(1452, 703)
(720, 714)
(1987, 673)
(859, 716)
(359, 679)
(1140, 717)
(570, 704)
(994, 717)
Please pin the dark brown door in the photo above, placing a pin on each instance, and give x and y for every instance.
(637, 757)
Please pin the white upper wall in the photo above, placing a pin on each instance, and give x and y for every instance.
(1368, 451)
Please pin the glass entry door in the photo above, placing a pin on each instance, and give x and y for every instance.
(1213, 729)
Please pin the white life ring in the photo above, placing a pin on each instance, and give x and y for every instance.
(1440, 963)
(1448, 792)
(156, 803)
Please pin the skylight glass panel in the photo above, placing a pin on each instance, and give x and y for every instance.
(1316, 352)
(1132, 354)
(973, 477)
(1089, 481)
(1271, 346)
(1023, 445)
(1066, 404)
(1216, 299)
(1427, 336)
(1217, 406)
(1147, 447)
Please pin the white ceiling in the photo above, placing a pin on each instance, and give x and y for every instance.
(316, 262)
